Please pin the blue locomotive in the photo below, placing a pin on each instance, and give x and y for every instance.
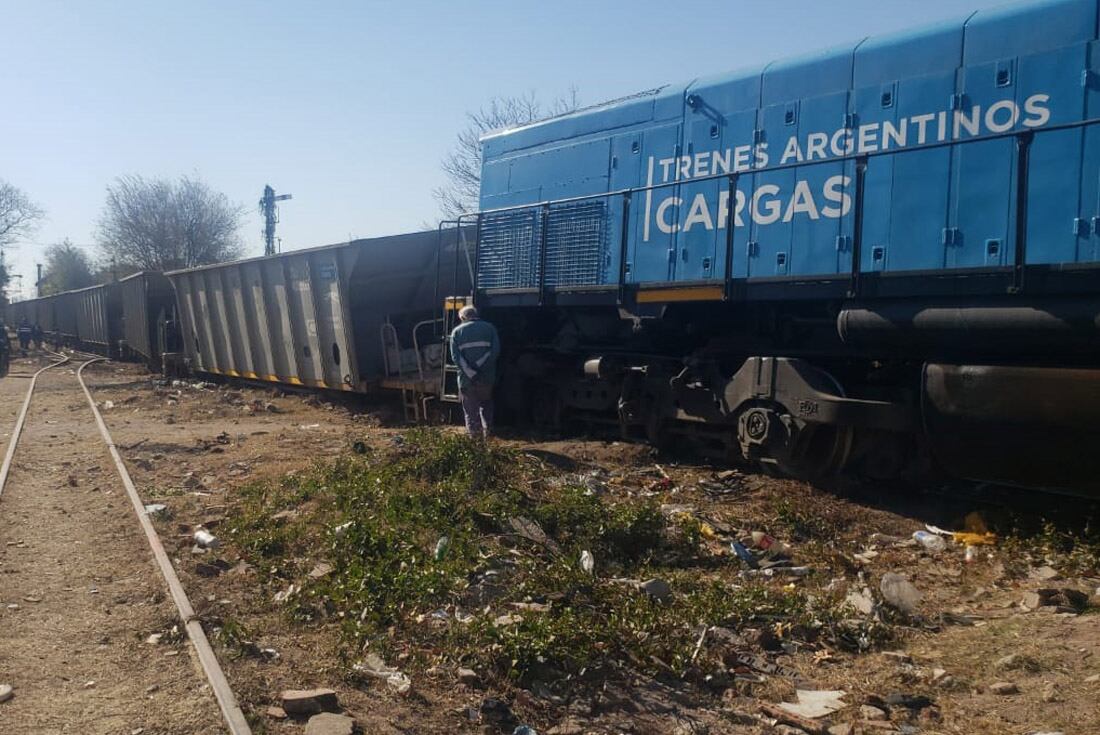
(879, 258)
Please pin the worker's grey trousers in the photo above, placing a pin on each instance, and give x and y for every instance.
(477, 405)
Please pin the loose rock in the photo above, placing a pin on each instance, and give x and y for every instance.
(1004, 688)
(308, 701)
(869, 712)
(6, 692)
(328, 723)
(468, 677)
(899, 592)
(658, 589)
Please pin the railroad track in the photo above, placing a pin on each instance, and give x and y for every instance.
(34, 498)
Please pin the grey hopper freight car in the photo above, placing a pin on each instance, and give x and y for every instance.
(309, 317)
(148, 307)
(98, 311)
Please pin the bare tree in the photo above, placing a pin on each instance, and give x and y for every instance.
(19, 217)
(462, 166)
(68, 267)
(157, 224)
(18, 214)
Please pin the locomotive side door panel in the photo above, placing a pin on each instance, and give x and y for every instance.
(874, 105)
(1057, 228)
(813, 206)
(699, 210)
(625, 173)
(920, 192)
(983, 177)
(769, 246)
(651, 254)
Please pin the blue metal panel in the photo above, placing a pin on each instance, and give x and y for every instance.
(563, 171)
(875, 105)
(919, 195)
(660, 104)
(810, 75)
(1089, 248)
(1028, 28)
(1055, 225)
(651, 254)
(981, 220)
(626, 173)
(769, 245)
(699, 212)
(813, 216)
(922, 52)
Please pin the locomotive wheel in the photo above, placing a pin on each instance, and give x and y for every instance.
(818, 451)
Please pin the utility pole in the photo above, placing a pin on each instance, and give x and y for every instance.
(38, 281)
(271, 216)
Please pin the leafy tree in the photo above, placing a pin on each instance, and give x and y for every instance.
(157, 224)
(462, 166)
(68, 267)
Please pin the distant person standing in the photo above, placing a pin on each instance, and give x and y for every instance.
(475, 348)
(5, 350)
(23, 332)
(37, 336)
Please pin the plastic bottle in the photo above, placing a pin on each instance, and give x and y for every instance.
(930, 541)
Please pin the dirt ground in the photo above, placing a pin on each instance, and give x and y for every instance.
(79, 593)
(189, 445)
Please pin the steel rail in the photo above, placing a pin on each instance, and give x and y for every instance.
(227, 702)
(5, 467)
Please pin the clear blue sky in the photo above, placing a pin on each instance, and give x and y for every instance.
(350, 106)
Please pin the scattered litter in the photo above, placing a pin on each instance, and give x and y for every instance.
(525, 730)
(6, 692)
(814, 704)
(532, 531)
(588, 562)
(441, 547)
(308, 427)
(321, 569)
(930, 541)
(763, 665)
(155, 509)
(205, 539)
(776, 572)
(769, 544)
(342, 529)
(744, 554)
(286, 594)
(374, 667)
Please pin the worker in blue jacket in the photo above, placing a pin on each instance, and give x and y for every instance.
(475, 348)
